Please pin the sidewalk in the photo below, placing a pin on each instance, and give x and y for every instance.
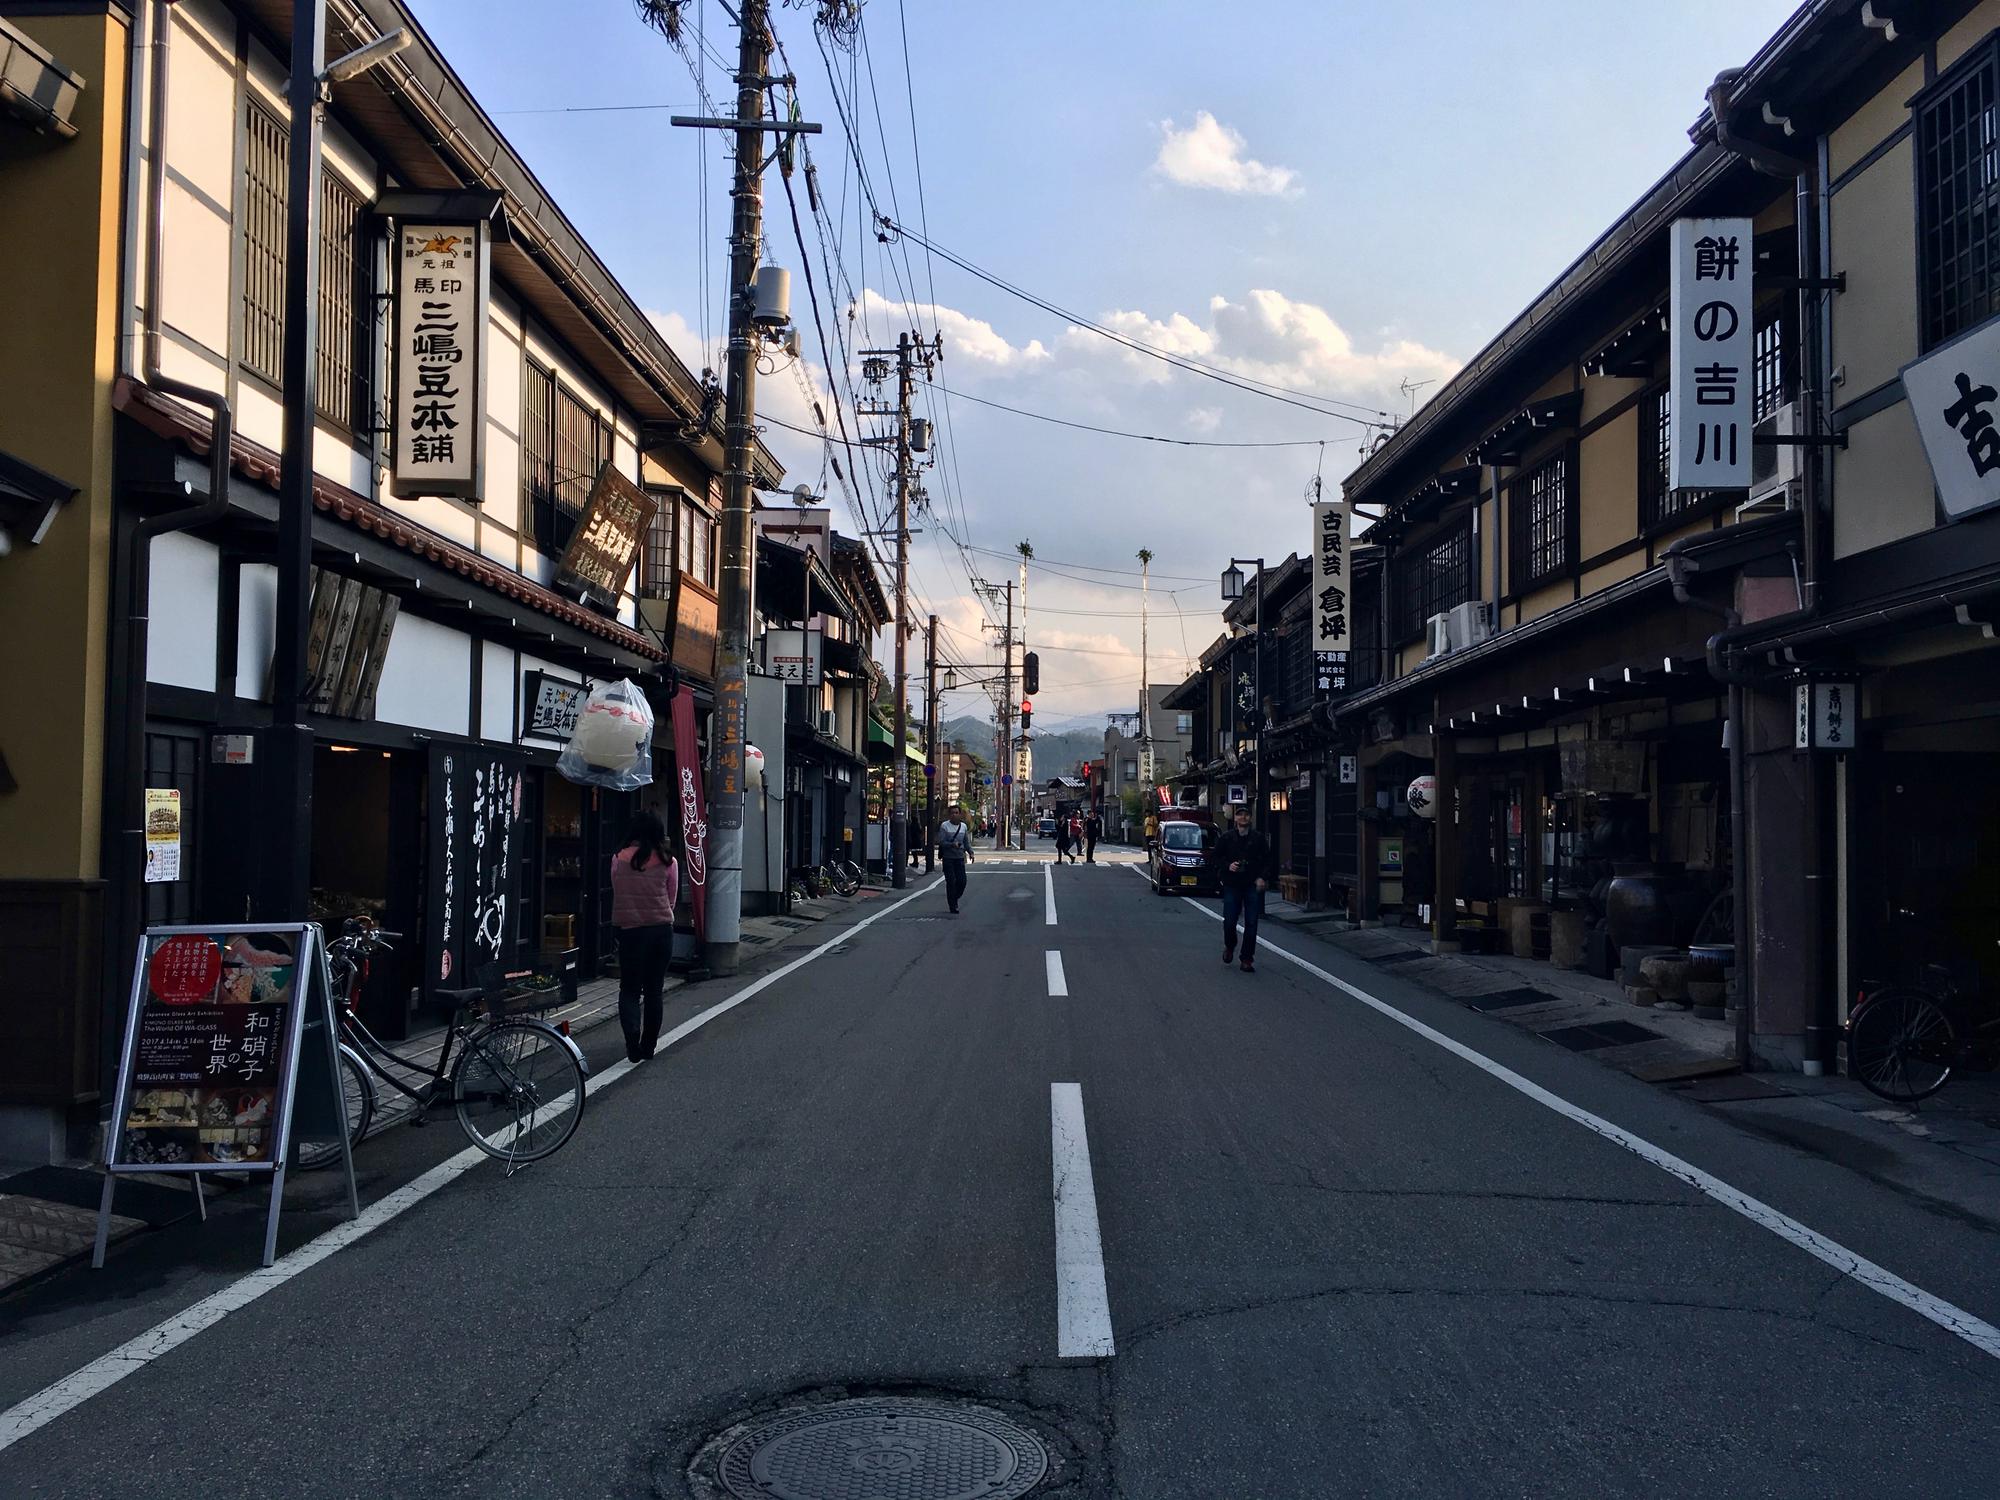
(1945, 1150)
(48, 1214)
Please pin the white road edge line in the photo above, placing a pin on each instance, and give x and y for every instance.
(1083, 1308)
(1057, 984)
(135, 1354)
(1049, 891)
(1977, 1332)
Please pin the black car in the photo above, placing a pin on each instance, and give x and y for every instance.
(1181, 862)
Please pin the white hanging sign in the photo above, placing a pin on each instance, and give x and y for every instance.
(1331, 624)
(1825, 715)
(1954, 395)
(438, 414)
(1712, 323)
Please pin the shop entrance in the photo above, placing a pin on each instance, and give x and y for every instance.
(367, 852)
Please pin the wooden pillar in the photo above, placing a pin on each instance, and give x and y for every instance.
(1445, 836)
(1367, 848)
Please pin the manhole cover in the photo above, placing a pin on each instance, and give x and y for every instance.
(884, 1449)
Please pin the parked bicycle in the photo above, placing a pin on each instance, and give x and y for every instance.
(1904, 1041)
(516, 1084)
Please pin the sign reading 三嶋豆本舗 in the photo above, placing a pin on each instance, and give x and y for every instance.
(1954, 395)
(438, 413)
(607, 538)
(552, 704)
(1711, 414)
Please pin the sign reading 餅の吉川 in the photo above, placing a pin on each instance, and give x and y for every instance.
(438, 415)
(1954, 395)
(607, 538)
(1332, 627)
(1710, 317)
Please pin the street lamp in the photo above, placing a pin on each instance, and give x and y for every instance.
(950, 679)
(1232, 590)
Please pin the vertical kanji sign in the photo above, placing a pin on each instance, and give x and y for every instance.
(1331, 614)
(1954, 393)
(438, 415)
(1713, 322)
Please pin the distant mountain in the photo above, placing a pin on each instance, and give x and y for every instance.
(1056, 754)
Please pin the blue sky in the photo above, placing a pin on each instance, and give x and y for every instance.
(1351, 196)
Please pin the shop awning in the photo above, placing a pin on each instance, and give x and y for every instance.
(880, 743)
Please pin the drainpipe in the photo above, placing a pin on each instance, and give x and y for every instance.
(126, 779)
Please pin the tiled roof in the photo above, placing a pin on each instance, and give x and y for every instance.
(182, 424)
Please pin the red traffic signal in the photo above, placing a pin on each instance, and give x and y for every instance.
(1027, 707)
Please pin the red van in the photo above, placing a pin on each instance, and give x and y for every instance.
(1180, 862)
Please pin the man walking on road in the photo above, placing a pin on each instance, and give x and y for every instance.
(1093, 830)
(1244, 857)
(954, 847)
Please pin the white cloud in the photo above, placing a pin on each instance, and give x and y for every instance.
(1208, 154)
(965, 337)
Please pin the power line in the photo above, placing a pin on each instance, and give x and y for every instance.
(1270, 391)
(1143, 437)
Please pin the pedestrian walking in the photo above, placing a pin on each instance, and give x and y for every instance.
(1244, 857)
(954, 849)
(645, 883)
(1062, 838)
(1075, 836)
(1093, 830)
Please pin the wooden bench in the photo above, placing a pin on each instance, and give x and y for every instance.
(1293, 889)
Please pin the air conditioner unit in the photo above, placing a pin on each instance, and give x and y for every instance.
(1471, 623)
(1437, 634)
(1774, 467)
(826, 722)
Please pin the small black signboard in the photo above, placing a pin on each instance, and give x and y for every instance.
(552, 705)
(607, 538)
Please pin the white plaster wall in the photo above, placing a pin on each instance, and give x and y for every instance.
(256, 628)
(180, 630)
(426, 680)
(497, 720)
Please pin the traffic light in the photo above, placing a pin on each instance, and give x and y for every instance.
(1027, 714)
(1031, 674)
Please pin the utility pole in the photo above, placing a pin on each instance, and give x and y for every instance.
(282, 886)
(1024, 760)
(909, 353)
(1145, 695)
(732, 654)
(932, 762)
(1006, 834)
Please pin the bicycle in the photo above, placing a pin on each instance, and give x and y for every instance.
(843, 884)
(1905, 1041)
(516, 1084)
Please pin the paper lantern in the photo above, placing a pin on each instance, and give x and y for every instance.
(1422, 796)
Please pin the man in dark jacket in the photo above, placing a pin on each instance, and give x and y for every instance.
(1244, 860)
(1093, 830)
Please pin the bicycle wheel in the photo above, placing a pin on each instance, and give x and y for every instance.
(518, 1090)
(357, 1092)
(1902, 1045)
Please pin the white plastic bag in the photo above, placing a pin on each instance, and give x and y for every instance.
(612, 745)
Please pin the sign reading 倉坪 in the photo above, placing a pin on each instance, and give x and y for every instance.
(438, 414)
(607, 538)
(1712, 327)
(1330, 582)
(1954, 395)
(1825, 715)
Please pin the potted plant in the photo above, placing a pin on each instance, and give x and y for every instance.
(1707, 987)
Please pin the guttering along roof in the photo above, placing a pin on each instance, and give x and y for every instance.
(417, 112)
(1429, 439)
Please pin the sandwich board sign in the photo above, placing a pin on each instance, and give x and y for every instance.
(230, 1057)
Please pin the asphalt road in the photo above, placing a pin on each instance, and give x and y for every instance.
(1338, 1256)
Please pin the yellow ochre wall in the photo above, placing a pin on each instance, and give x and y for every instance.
(59, 267)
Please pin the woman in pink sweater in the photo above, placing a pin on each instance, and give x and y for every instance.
(645, 880)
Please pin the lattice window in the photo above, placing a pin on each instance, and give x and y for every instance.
(1432, 580)
(342, 393)
(1767, 366)
(698, 543)
(656, 561)
(341, 346)
(1958, 195)
(538, 451)
(265, 157)
(580, 444)
(1544, 528)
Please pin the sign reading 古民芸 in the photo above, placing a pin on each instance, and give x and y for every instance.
(1954, 395)
(438, 414)
(1712, 326)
